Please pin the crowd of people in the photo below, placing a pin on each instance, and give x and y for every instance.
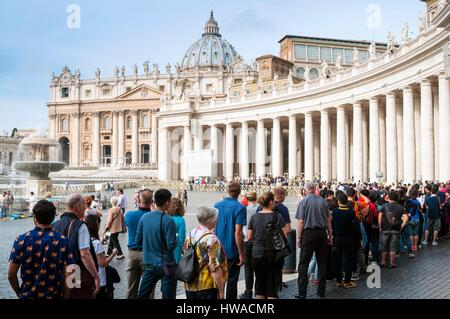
(346, 225)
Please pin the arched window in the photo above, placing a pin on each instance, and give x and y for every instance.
(87, 124)
(64, 124)
(107, 122)
(145, 122)
(300, 73)
(313, 74)
(128, 122)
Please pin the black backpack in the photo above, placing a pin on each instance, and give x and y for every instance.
(275, 240)
(188, 268)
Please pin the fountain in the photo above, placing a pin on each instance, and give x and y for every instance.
(39, 164)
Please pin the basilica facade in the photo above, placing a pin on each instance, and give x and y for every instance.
(325, 108)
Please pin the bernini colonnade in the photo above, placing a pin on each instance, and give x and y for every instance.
(387, 119)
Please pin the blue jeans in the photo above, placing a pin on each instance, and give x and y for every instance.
(152, 274)
(405, 235)
(2, 212)
(312, 269)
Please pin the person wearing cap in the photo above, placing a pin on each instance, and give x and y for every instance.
(252, 208)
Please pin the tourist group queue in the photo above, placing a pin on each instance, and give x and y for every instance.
(352, 224)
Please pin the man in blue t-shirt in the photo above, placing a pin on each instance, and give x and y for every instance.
(433, 205)
(413, 209)
(135, 265)
(231, 219)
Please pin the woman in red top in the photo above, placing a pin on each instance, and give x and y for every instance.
(375, 227)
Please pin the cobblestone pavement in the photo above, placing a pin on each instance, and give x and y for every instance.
(425, 277)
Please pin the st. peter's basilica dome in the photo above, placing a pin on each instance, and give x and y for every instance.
(211, 50)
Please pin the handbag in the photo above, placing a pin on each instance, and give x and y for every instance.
(277, 239)
(112, 274)
(188, 267)
(169, 268)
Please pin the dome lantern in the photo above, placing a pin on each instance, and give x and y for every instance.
(212, 27)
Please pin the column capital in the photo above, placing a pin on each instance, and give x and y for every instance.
(308, 115)
(134, 112)
(442, 75)
(374, 100)
(276, 118)
(357, 104)
(408, 89)
(76, 115)
(292, 117)
(390, 95)
(324, 112)
(425, 82)
(53, 116)
(340, 108)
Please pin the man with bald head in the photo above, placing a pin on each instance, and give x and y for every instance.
(71, 225)
(314, 234)
(135, 265)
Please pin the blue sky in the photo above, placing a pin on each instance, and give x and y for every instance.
(35, 40)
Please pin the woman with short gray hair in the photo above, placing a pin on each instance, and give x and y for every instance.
(210, 282)
(114, 226)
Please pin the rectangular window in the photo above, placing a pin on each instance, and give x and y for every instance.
(300, 52)
(106, 91)
(128, 137)
(313, 53)
(106, 138)
(337, 52)
(237, 81)
(162, 88)
(87, 93)
(363, 56)
(325, 54)
(348, 56)
(128, 89)
(65, 92)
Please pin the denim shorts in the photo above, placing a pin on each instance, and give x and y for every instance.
(414, 226)
(389, 241)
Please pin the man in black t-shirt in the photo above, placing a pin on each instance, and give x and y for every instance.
(392, 219)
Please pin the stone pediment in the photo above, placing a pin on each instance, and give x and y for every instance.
(141, 92)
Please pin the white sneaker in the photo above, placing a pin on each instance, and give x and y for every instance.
(435, 243)
(424, 243)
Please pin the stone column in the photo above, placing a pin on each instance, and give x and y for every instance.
(409, 142)
(163, 152)
(382, 114)
(215, 150)
(96, 139)
(400, 147)
(198, 138)
(229, 147)
(154, 137)
(75, 130)
(134, 138)
(426, 125)
(115, 136)
(292, 147)
(418, 135)
(260, 149)
(365, 146)
(316, 143)
(121, 139)
(340, 140)
(309, 148)
(187, 147)
(244, 165)
(276, 149)
(324, 146)
(435, 92)
(444, 130)
(357, 143)
(391, 139)
(52, 126)
(374, 137)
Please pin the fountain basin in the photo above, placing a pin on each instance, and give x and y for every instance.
(39, 170)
